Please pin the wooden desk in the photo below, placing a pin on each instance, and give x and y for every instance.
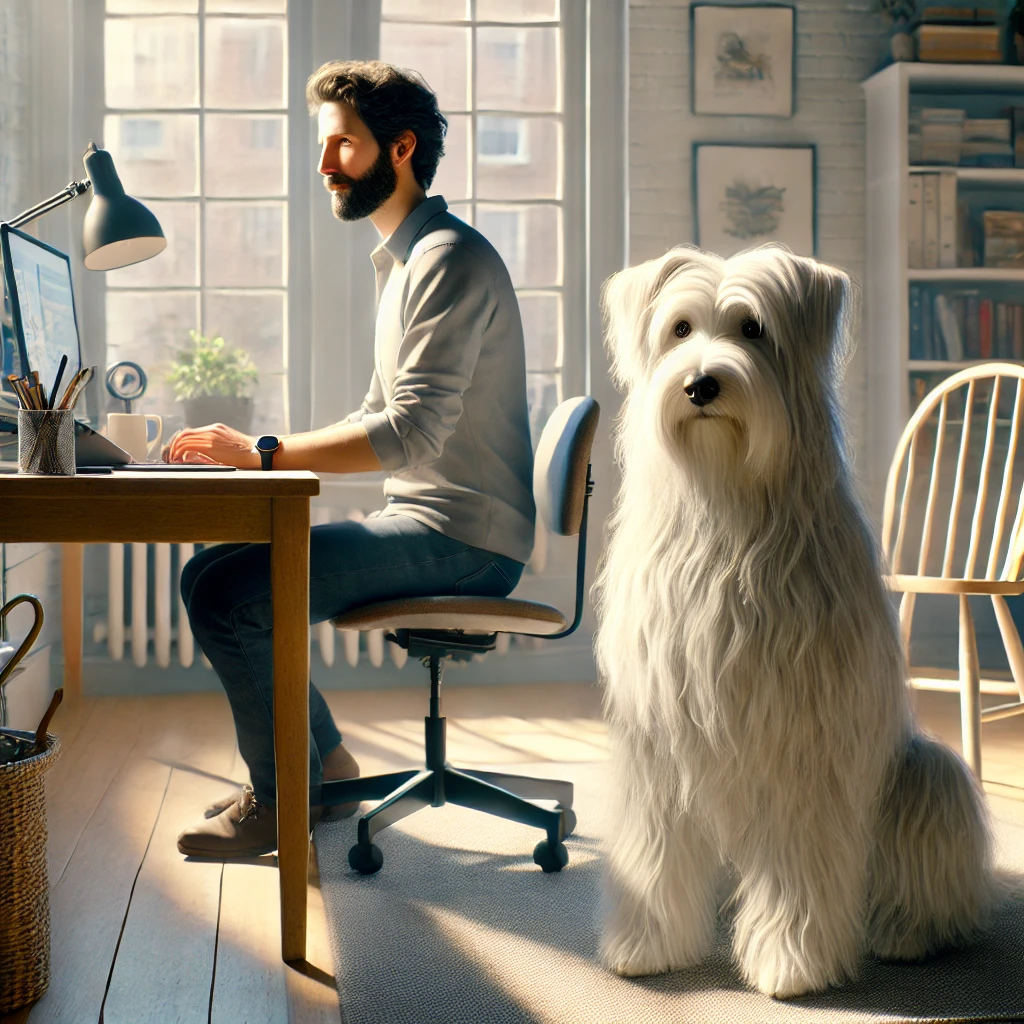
(174, 507)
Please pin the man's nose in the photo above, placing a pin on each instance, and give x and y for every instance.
(328, 161)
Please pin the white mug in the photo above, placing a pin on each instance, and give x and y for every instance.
(129, 430)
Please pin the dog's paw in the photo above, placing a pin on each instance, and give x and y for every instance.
(785, 978)
(632, 956)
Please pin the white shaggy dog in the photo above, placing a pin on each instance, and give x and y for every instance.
(752, 662)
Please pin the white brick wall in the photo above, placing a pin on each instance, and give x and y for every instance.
(14, 104)
(838, 44)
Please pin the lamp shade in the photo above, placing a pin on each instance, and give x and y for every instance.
(118, 230)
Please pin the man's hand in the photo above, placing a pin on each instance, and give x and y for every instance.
(214, 444)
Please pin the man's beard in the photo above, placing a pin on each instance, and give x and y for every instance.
(367, 194)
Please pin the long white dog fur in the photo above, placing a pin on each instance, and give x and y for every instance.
(753, 672)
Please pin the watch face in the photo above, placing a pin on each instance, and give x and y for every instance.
(267, 443)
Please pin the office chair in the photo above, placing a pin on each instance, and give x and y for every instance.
(435, 628)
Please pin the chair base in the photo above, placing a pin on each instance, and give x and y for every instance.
(507, 796)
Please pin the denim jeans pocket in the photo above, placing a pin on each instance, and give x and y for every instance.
(487, 581)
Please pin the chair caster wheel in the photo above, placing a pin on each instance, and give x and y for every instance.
(550, 858)
(365, 859)
(569, 816)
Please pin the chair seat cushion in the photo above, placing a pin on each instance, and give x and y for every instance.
(469, 614)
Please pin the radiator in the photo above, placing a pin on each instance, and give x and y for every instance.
(153, 641)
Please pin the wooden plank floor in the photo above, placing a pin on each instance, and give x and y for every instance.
(142, 935)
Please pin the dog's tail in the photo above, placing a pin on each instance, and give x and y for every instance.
(931, 880)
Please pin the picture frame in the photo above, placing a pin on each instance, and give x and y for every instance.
(743, 59)
(746, 195)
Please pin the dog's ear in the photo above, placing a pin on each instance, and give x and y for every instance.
(830, 312)
(627, 301)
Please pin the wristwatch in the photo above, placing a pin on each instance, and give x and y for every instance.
(265, 447)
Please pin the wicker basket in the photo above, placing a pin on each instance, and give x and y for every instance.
(24, 887)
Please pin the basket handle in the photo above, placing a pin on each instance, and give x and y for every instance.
(32, 633)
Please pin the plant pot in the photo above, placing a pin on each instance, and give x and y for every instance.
(231, 410)
(901, 46)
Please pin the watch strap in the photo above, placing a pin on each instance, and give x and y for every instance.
(266, 460)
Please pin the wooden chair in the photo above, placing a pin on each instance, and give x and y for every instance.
(436, 628)
(982, 554)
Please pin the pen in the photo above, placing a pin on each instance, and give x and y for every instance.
(56, 383)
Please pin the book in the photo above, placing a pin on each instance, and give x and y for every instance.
(1003, 238)
(927, 327)
(915, 221)
(1017, 345)
(985, 329)
(916, 350)
(947, 214)
(1017, 117)
(964, 235)
(969, 324)
(959, 44)
(1001, 338)
(949, 344)
(930, 219)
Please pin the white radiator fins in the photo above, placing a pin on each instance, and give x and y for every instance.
(186, 642)
(162, 603)
(140, 631)
(115, 602)
(399, 655)
(501, 644)
(375, 646)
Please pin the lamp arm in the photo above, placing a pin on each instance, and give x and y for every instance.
(71, 191)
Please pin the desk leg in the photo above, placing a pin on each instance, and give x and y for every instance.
(73, 557)
(289, 574)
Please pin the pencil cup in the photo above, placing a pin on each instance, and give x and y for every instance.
(46, 442)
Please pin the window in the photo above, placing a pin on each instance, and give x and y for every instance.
(497, 69)
(195, 116)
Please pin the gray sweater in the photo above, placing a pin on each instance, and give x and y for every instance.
(446, 411)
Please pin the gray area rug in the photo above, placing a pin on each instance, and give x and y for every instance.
(460, 927)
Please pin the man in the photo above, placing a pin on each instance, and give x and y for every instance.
(445, 415)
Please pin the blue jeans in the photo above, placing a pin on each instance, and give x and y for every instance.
(226, 591)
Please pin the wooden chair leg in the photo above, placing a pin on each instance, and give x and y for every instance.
(970, 689)
(906, 618)
(1011, 641)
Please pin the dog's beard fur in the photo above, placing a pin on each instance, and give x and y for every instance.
(753, 674)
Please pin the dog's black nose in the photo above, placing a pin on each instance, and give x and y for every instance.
(702, 389)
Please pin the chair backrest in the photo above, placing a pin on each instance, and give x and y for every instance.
(960, 476)
(560, 464)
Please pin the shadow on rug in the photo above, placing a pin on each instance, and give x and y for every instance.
(461, 927)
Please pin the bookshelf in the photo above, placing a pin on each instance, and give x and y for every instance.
(984, 91)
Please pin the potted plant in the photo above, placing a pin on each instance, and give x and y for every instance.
(901, 14)
(213, 380)
(1015, 23)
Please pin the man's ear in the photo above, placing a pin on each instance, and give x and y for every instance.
(402, 148)
(627, 301)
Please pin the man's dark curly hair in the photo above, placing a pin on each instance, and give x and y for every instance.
(389, 101)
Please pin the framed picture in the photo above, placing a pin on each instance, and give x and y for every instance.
(748, 195)
(743, 59)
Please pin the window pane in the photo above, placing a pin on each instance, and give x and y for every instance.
(518, 69)
(155, 154)
(270, 407)
(245, 156)
(178, 264)
(245, 62)
(517, 10)
(148, 328)
(245, 245)
(529, 239)
(543, 395)
(464, 211)
(152, 62)
(251, 320)
(542, 330)
(518, 157)
(426, 10)
(439, 53)
(452, 179)
(246, 6)
(152, 6)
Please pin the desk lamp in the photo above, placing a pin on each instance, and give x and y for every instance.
(118, 230)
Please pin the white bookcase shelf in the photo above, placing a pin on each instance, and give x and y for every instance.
(887, 277)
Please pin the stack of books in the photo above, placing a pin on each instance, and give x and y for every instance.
(959, 325)
(942, 135)
(932, 221)
(960, 35)
(986, 142)
(1003, 239)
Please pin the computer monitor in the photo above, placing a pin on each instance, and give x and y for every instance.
(41, 305)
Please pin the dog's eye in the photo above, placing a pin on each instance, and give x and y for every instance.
(750, 329)
(682, 328)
